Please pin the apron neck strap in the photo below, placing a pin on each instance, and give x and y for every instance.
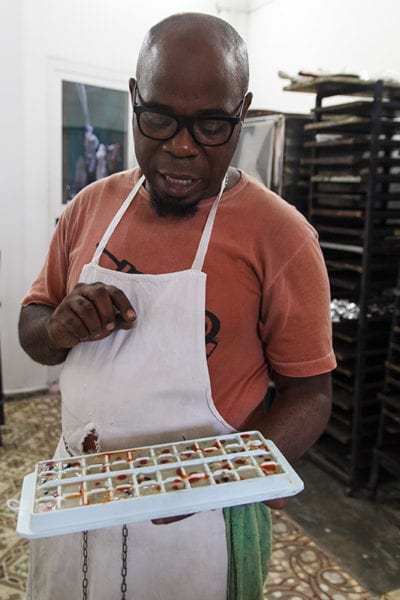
(117, 217)
(206, 235)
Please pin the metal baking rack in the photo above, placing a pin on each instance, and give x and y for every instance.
(354, 203)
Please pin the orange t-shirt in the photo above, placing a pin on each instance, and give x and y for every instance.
(267, 295)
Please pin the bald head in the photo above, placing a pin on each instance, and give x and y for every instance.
(188, 38)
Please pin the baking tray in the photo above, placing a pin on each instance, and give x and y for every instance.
(93, 491)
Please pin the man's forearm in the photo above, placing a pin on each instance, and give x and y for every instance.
(297, 417)
(34, 338)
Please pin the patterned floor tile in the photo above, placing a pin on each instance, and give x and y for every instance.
(301, 571)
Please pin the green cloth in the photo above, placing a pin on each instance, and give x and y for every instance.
(249, 540)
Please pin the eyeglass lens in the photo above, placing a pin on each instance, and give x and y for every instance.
(205, 131)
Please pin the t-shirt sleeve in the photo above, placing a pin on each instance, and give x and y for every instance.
(50, 285)
(296, 326)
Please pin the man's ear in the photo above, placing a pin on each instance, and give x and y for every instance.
(247, 101)
(132, 87)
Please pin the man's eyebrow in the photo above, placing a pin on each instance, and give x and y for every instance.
(217, 112)
(207, 112)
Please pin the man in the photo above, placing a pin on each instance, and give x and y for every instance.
(131, 332)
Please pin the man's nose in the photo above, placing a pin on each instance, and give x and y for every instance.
(182, 144)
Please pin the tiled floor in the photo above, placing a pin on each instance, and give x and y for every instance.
(301, 570)
(361, 533)
(301, 567)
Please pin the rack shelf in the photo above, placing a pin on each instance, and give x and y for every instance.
(386, 453)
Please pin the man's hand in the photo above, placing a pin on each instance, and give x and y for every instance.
(167, 520)
(277, 503)
(90, 312)
(296, 418)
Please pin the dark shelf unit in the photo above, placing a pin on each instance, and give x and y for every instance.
(295, 171)
(386, 453)
(354, 203)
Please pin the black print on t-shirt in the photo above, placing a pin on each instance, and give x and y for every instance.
(213, 324)
(122, 265)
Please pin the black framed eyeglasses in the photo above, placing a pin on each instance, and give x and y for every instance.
(160, 125)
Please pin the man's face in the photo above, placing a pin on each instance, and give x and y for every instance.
(180, 172)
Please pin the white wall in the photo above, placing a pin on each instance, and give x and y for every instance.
(359, 35)
(98, 40)
(13, 185)
(38, 40)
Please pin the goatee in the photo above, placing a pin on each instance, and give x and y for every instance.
(166, 208)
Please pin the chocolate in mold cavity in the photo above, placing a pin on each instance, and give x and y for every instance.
(268, 465)
(248, 472)
(123, 491)
(47, 476)
(97, 484)
(218, 465)
(99, 496)
(48, 465)
(175, 484)
(93, 469)
(164, 460)
(189, 455)
(44, 505)
(96, 459)
(198, 479)
(70, 464)
(164, 450)
(146, 489)
(72, 500)
(172, 473)
(241, 460)
(72, 488)
(225, 477)
(186, 447)
(232, 438)
(119, 465)
(117, 455)
(143, 461)
(47, 493)
(212, 451)
(146, 477)
(198, 476)
(71, 473)
(270, 468)
(257, 445)
(233, 448)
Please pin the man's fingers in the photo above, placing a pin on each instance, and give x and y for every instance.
(167, 520)
(277, 504)
(113, 309)
(123, 308)
(90, 312)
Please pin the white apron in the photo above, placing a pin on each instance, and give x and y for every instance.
(143, 386)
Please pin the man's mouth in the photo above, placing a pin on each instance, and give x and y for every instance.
(179, 181)
(178, 186)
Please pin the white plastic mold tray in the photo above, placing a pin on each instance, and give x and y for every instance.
(113, 488)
